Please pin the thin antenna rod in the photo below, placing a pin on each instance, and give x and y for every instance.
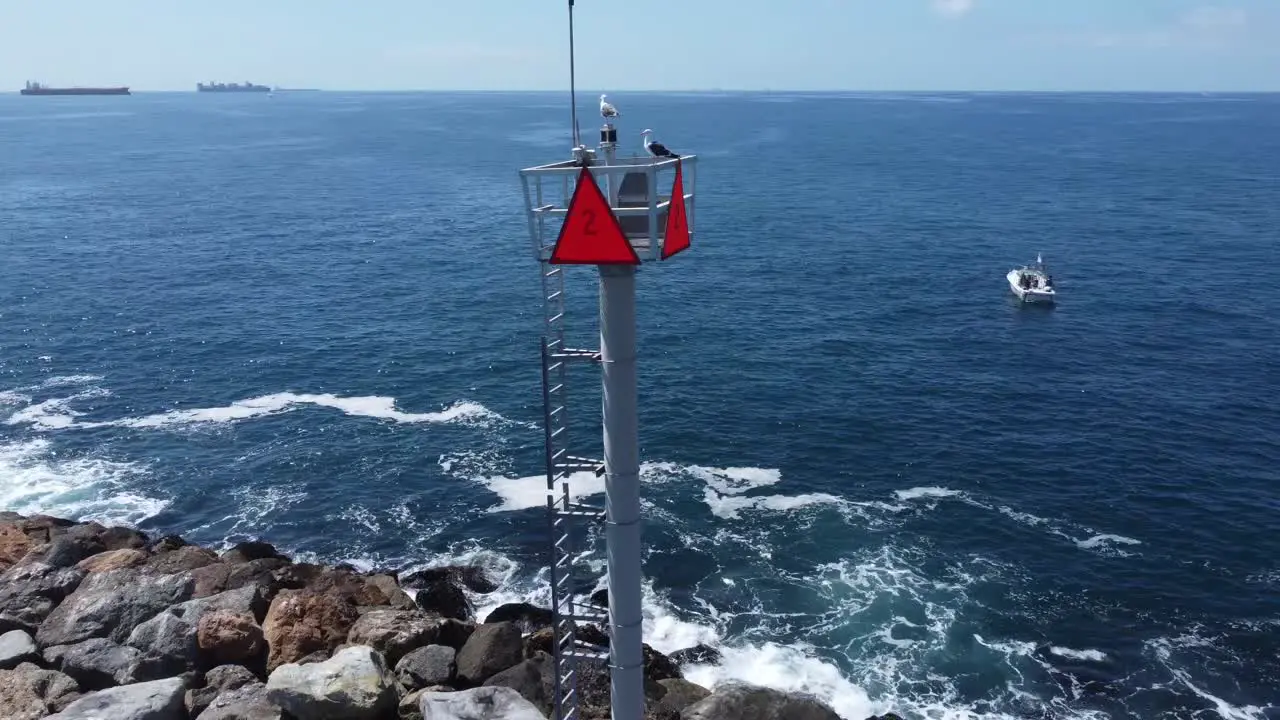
(573, 94)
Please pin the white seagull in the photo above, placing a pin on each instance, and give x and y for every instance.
(607, 110)
(656, 149)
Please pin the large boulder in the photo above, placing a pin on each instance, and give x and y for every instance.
(171, 638)
(533, 678)
(114, 560)
(70, 548)
(354, 684)
(446, 599)
(16, 647)
(249, 702)
(29, 592)
(123, 538)
(743, 701)
(98, 663)
(218, 680)
(29, 692)
(339, 582)
(482, 703)
(394, 632)
(530, 618)
(225, 636)
(301, 622)
(221, 577)
(455, 633)
(14, 543)
(249, 551)
(471, 577)
(183, 559)
(155, 700)
(427, 666)
(680, 694)
(492, 648)
(396, 597)
(111, 605)
(699, 654)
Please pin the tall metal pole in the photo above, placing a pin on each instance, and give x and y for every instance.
(622, 477)
(573, 90)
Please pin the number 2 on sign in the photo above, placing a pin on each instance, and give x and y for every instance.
(589, 228)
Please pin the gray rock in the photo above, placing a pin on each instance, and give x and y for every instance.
(410, 708)
(29, 692)
(534, 679)
(426, 666)
(16, 647)
(170, 639)
(219, 680)
(530, 618)
(156, 700)
(492, 648)
(67, 550)
(354, 684)
(394, 632)
(699, 654)
(249, 702)
(680, 694)
(742, 701)
(482, 703)
(111, 605)
(29, 592)
(229, 677)
(98, 663)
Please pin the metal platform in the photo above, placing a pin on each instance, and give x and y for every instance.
(639, 192)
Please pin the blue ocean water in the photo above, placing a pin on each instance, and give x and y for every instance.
(869, 474)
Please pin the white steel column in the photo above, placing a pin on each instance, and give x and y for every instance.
(622, 472)
(622, 488)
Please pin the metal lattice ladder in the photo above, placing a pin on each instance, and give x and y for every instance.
(561, 510)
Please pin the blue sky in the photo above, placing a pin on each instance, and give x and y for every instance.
(657, 45)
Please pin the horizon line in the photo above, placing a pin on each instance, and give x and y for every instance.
(589, 91)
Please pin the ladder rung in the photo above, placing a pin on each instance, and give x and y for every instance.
(554, 295)
(552, 272)
(558, 432)
(555, 318)
(556, 412)
(556, 389)
(579, 513)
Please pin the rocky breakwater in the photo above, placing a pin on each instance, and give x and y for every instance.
(105, 622)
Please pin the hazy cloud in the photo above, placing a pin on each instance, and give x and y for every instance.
(953, 8)
(1207, 26)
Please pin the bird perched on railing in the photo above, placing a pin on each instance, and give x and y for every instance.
(607, 110)
(656, 149)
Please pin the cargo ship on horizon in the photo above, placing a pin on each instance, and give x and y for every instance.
(35, 88)
(231, 87)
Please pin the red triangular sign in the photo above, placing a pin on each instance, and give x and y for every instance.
(591, 234)
(677, 233)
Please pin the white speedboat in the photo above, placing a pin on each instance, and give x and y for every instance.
(1032, 284)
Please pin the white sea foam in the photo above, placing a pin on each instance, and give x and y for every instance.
(36, 479)
(1090, 655)
(1098, 540)
(917, 493)
(56, 413)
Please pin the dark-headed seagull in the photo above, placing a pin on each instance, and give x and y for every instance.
(656, 149)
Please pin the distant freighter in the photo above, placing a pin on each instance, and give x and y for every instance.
(35, 88)
(232, 87)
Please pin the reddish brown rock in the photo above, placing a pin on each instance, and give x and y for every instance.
(14, 544)
(301, 622)
(113, 560)
(230, 637)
